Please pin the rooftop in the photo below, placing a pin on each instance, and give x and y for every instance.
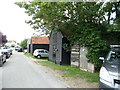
(40, 40)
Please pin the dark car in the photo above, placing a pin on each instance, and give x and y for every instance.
(20, 50)
(110, 71)
(2, 58)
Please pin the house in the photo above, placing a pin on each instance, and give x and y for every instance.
(57, 53)
(3, 39)
(37, 43)
(76, 57)
(11, 43)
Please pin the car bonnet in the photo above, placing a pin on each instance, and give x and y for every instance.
(113, 68)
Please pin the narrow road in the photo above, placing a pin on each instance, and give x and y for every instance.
(21, 72)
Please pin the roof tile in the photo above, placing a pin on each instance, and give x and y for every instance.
(40, 40)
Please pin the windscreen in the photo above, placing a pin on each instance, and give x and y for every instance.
(115, 54)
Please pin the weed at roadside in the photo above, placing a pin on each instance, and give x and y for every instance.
(72, 71)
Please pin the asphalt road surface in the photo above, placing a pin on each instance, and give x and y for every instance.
(22, 72)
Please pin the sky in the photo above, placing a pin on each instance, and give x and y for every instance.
(12, 21)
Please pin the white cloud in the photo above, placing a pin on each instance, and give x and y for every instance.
(12, 21)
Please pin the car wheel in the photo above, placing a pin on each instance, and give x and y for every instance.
(1, 63)
(38, 56)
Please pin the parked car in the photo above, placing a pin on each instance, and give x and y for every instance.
(16, 48)
(2, 58)
(20, 49)
(12, 48)
(6, 51)
(110, 71)
(40, 53)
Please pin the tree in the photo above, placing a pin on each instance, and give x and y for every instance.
(82, 23)
(23, 44)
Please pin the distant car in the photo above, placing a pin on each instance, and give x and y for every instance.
(40, 53)
(2, 58)
(16, 48)
(12, 48)
(110, 71)
(20, 49)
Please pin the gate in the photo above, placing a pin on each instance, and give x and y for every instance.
(75, 55)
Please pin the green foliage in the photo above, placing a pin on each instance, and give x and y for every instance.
(82, 23)
(66, 47)
(23, 44)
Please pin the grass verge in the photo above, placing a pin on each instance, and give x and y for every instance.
(72, 71)
(30, 55)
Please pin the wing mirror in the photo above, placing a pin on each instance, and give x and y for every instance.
(102, 58)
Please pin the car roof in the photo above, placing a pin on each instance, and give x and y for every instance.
(114, 46)
(39, 49)
(4, 50)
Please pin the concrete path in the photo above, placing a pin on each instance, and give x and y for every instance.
(21, 72)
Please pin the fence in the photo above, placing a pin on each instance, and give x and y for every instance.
(79, 59)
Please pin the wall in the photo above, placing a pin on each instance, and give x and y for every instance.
(51, 48)
(59, 48)
(75, 55)
(84, 65)
(56, 52)
(79, 59)
(28, 45)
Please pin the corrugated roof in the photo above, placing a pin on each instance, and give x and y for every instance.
(40, 40)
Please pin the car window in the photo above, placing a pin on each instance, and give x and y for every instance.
(40, 51)
(2, 47)
(113, 56)
(46, 51)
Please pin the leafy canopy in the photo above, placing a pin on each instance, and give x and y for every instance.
(83, 23)
(23, 44)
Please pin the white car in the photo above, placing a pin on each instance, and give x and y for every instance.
(2, 58)
(40, 53)
(6, 51)
(110, 71)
